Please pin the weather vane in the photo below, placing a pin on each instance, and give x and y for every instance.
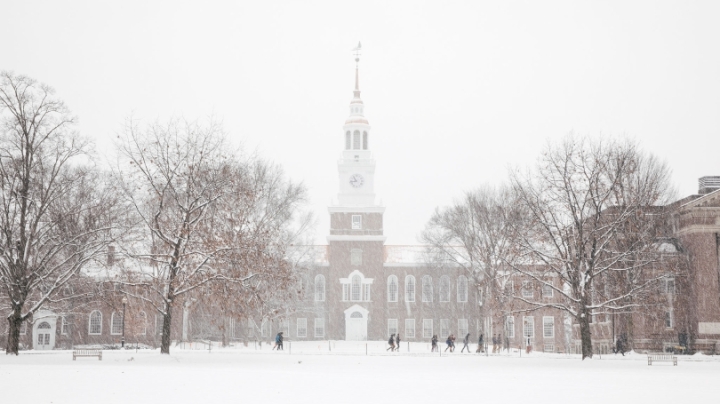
(356, 50)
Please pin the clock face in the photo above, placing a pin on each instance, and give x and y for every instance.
(356, 180)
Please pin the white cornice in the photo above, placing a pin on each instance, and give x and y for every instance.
(355, 238)
(356, 209)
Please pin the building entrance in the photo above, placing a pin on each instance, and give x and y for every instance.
(356, 319)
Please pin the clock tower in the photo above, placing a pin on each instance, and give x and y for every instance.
(356, 212)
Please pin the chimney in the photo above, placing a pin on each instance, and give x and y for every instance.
(708, 184)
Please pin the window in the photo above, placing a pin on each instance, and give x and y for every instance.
(357, 222)
(252, 327)
(462, 327)
(409, 328)
(356, 139)
(355, 288)
(356, 257)
(667, 285)
(527, 289)
(549, 348)
(409, 288)
(95, 325)
(427, 328)
(285, 326)
(444, 288)
(64, 326)
(319, 328)
(302, 327)
(365, 141)
(547, 290)
(392, 288)
(529, 327)
(141, 326)
(548, 327)
(67, 290)
(116, 324)
(319, 288)
(462, 289)
(366, 292)
(346, 292)
(392, 326)
(510, 326)
(427, 289)
(159, 324)
(347, 140)
(669, 319)
(23, 328)
(444, 327)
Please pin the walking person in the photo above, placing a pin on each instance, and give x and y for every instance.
(279, 341)
(448, 341)
(397, 342)
(391, 342)
(466, 341)
(452, 342)
(481, 342)
(433, 342)
(494, 343)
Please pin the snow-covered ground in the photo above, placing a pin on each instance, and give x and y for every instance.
(341, 372)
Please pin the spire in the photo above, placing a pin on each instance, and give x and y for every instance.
(356, 93)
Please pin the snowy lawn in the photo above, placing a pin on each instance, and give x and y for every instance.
(312, 374)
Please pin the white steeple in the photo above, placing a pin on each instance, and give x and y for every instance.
(356, 168)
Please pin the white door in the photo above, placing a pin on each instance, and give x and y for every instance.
(43, 336)
(356, 327)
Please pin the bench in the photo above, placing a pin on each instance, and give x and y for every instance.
(662, 358)
(87, 352)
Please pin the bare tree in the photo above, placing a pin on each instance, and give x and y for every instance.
(261, 217)
(479, 234)
(211, 223)
(56, 209)
(580, 201)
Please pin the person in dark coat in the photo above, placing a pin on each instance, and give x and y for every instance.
(397, 342)
(391, 342)
(434, 341)
(278, 341)
(466, 341)
(449, 343)
(481, 342)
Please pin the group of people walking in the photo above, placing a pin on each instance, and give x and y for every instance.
(394, 343)
(278, 342)
(450, 342)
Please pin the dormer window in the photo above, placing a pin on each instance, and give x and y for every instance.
(357, 222)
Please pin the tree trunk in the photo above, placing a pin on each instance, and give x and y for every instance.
(167, 320)
(585, 335)
(13, 341)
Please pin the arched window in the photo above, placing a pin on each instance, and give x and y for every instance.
(427, 289)
(347, 140)
(444, 288)
(44, 325)
(409, 288)
(95, 324)
(356, 140)
(141, 323)
(365, 141)
(355, 288)
(462, 289)
(116, 324)
(392, 288)
(319, 288)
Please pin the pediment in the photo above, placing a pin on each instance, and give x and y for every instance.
(711, 200)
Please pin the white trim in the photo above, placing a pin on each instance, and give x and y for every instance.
(112, 324)
(304, 328)
(428, 322)
(356, 209)
(410, 325)
(548, 321)
(355, 238)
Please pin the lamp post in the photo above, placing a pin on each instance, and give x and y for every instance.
(122, 341)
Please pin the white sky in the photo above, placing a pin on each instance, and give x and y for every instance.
(455, 92)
